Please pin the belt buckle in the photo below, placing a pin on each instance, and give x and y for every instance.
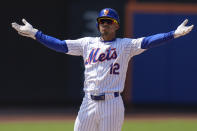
(96, 96)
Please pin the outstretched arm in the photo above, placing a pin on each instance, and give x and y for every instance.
(159, 39)
(50, 42)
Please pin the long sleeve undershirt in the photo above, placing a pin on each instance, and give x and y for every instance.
(51, 42)
(156, 40)
(61, 46)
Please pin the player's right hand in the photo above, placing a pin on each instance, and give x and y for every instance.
(26, 29)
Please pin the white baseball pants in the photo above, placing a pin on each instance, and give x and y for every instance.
(102, 115)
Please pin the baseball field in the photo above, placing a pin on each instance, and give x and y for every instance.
(132, 123)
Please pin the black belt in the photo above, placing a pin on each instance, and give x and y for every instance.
(102, 96)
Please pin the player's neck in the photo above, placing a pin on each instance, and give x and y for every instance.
(108, 37)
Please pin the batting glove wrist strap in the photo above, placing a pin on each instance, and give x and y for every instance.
(26, 29)
(182, 29)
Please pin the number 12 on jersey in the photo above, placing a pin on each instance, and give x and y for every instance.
(114, 69)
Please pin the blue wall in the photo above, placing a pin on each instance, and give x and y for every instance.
(165, 74)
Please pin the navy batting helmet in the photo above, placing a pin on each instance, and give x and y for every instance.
(108, 13)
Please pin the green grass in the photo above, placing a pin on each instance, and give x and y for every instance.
(37, 126)
(160, 125)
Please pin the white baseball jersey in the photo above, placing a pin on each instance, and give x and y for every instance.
(105, 62)
(105, 72)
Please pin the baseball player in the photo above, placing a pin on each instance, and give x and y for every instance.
(106, 60)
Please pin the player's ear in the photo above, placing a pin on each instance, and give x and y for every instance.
(117, 26)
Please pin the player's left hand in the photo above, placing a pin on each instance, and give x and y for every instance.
(26, 29)
(182, 29)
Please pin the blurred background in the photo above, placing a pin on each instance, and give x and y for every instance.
(35, 78)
